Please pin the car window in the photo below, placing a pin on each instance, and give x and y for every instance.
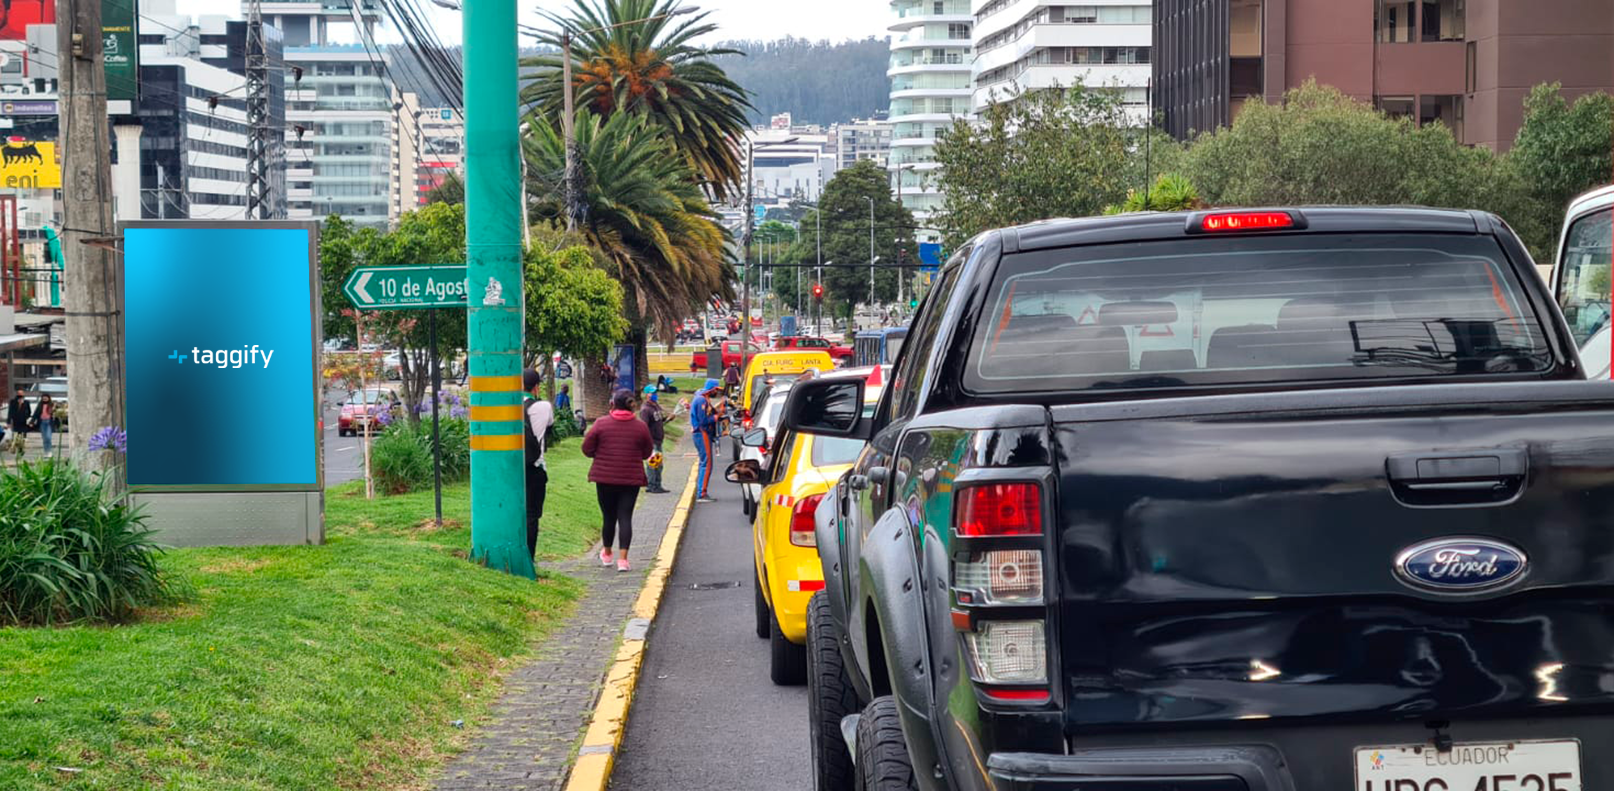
(829, 451)
(909, 374)
(780, 457)
(1246, 309)
(1583, 283)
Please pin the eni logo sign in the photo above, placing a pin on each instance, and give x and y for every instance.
(29, 164)
(1460, 565)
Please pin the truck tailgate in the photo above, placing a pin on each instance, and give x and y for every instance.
(1236, 557)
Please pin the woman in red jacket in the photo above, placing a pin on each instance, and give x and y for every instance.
(618, 443)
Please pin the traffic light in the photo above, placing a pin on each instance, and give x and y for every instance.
(818, 291)
(913, 304)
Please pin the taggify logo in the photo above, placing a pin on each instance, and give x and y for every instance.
(223, 358)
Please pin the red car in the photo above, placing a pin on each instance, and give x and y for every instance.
(836, 351)
(731, 354)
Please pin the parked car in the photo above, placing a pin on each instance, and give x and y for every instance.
(1258, 499)
(1580, 279)
(841, 354)
(794, 478)
(358, 410)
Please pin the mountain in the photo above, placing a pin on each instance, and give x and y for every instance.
(817, 82)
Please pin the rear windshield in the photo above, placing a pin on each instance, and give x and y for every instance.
(1247, 310)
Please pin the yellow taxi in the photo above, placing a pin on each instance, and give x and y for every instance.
(781, 365)
(800, 470)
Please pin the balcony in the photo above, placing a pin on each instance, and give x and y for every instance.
(910, 15)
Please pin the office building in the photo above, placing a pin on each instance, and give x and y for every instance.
(341, 112)
(782, 172)
(862, 139)
(931, 87)
(1465, 63)
(1028, 45)
(439, 145)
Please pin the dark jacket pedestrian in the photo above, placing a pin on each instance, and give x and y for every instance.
(18, 414)
(618, 443)
(535, 430)
(655, 420)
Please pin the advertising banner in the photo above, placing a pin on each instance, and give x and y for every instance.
(121, 50)
(29, 164)
(17, 15)
(221, 334)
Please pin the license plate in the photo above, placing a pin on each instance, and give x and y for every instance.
(1472, 766)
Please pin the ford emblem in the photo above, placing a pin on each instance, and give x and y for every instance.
(1460, 565)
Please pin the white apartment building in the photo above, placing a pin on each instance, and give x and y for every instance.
(931, 86)
(340, 150)
(440, 148)
(1023, 45)
(862, 139)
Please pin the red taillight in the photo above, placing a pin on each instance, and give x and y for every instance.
(1246, 221)
(1016, 695)
(801, 521)
(999, 509)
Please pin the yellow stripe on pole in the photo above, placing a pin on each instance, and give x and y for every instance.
(496, 442)
(511, 412)
(495, 384)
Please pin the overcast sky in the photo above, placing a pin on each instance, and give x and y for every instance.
(835, 20)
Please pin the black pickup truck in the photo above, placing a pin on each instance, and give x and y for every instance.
(1282, 500)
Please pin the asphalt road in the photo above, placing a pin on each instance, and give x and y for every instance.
(705, 714)
(344, 456)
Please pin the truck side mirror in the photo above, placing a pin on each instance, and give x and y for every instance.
(827, 407)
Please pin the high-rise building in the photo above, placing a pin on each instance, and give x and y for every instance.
(862, 139)
(785, 171)
(1465, 63)
(341, 111)
(931, 53)
(440, 148)
(1028, 45)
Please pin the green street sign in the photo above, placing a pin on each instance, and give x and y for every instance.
(406, 287)
(120, 49)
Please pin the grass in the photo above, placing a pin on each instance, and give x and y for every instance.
(340, 666)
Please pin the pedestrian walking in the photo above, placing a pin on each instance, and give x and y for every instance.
(540, 415)
(45, 420)
(619, 443)
(731, 378)
(18, 416)
(655, 420)
(703, 423)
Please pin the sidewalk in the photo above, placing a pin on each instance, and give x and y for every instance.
(534, 728)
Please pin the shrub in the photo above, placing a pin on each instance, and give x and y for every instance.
(70, 552)
(455, 435)
(401, 458)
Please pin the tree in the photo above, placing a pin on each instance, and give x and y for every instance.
(452, 190)
(572, 306)
(845, 206)
(636, 56)
(1319, 146)
(817, 82)
(1040, 154)
(1561, 150)
(1170, 192)
(434, 234)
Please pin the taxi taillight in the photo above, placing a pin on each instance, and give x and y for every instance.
(801, 521)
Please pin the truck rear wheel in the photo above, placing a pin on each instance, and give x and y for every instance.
(787, 662)
(882, 755)
(830, 697)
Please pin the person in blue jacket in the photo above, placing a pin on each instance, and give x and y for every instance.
(703, 421)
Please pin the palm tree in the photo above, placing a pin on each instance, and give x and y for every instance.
(642, 210)
(637, 55)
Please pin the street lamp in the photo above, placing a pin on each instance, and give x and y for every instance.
(872, 256)
(567, 100)
(745, 246)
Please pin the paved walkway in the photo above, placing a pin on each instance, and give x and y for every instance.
(537, 722)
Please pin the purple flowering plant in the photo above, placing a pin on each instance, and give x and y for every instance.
(110, 438)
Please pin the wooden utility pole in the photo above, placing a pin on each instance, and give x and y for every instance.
(93, 280)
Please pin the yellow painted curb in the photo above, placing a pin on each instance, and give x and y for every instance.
(597, 757)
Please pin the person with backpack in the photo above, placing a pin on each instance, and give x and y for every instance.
(619, 444)
(540, 416)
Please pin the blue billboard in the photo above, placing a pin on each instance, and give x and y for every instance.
(221, 337)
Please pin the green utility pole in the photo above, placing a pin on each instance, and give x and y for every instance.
(494, 282)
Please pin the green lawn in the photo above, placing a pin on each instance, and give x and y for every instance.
(340, 666)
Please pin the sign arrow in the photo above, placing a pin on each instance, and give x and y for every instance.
(358, 288)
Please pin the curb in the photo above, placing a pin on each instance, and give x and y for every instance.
(597, 756)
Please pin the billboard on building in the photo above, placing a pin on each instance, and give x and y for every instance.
(17, 15)
(121, 50)
(221, 356)
(29, 164)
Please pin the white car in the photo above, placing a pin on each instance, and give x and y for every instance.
(1580, 278)
(769, 409)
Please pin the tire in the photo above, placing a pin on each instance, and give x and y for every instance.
(787, 662)
(747, 506)
(882, 755)
(830, 697)
(764, 617)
